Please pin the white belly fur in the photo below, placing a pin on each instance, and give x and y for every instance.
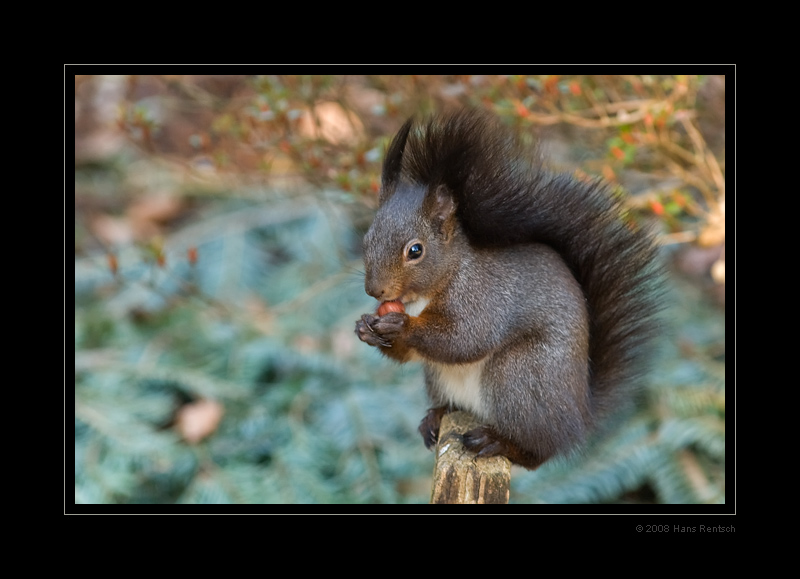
(461, 385)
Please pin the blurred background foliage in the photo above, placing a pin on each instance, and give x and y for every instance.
(218, 276)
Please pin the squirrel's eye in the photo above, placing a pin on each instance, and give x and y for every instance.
(415, 251)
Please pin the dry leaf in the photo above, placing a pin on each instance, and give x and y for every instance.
(197, 420)
(148, 214)
(714, 232)
(713, 235)
(112, 230)
(718, 271)
(156, 208)
(336, 125)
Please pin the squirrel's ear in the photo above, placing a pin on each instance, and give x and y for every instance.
(442, 208)
(393, 162)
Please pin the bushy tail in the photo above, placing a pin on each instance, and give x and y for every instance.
(504, 196)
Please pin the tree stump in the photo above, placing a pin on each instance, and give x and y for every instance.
(459, 476)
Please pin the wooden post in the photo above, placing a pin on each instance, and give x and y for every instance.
(459, 477)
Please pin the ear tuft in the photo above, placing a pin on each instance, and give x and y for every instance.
(442, 208)
(393, 161)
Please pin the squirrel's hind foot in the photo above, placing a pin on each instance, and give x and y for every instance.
(485, 441)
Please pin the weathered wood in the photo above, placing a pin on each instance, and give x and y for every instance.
(459, 476)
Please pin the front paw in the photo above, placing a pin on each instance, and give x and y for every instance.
(391, 326)
(383, 330)
(366, 333)
(431, 424)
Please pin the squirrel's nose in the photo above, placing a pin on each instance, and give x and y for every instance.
(374, 286)
(374, 289)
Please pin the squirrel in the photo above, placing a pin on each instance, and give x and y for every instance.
(528, 298)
